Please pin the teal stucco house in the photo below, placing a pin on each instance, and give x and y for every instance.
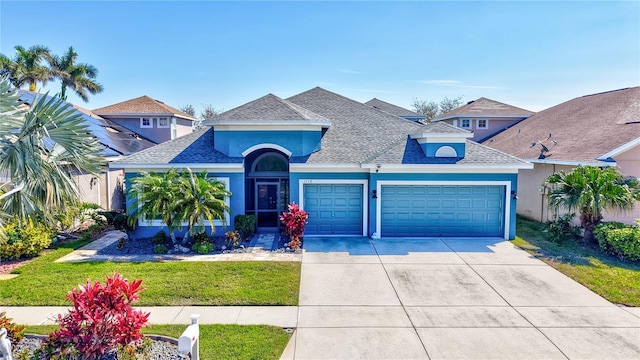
(355, 168)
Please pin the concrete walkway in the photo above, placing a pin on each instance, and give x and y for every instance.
(449, 299)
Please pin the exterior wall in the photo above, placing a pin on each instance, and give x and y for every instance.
(299, 142)
(236, 202)
(629, 165)
(183, 127)
(90, 187)
(155, 134)
(495, 126)
(430, 149)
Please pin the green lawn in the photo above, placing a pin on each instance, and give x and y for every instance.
(43, 282)
(615, 280)
(220, 341)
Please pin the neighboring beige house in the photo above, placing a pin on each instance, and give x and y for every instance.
(484, 117)
(149, 118)
(600, 129)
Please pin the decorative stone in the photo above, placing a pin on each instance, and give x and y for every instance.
(224, 247)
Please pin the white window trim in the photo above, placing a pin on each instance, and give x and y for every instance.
(466, 127)
(365, 197)
(143, 126)
(156, 222)
(486, 124)
(165, 126)
(507, 198)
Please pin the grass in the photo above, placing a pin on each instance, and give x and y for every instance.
(615, 280)
(220, 341)
(45, 283)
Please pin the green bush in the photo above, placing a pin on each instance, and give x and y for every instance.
(202, 244)
(120, 222)
(109, 215)
(24, 240)
(245, 225)
(561, 229)
(619, 239)
(160, 238)
(160, 249)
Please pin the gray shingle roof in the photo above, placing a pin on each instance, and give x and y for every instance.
(485, 107)
(584, 128)
(390, 108)
(270, 108)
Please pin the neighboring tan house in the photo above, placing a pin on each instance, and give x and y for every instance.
(395, 110)
(484, 117)
(149, 118)
(357, 170)
(599, 129)
(107, 189)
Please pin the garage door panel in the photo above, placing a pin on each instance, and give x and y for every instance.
(337, 207)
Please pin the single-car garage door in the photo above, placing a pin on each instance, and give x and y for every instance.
(442, 210)
(334, 209)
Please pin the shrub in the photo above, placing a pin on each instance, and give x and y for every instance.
(202, 244)
(232, 238)
(120, 222)
(160, 249)
(245, 225)
(24, 240)
(108, 215)
(294, 222)
(160, 238)
(619, 239)
(15, 333)
(561, 229)
(102, 319)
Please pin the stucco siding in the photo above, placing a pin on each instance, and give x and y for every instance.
(183, 127)
(235, 142)
(495, 125)
(154, 133)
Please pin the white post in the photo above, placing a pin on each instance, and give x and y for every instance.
(188, 341)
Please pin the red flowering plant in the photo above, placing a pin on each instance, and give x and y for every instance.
(102, 319)
(294, 222)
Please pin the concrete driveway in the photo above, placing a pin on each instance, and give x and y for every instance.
(449, 299)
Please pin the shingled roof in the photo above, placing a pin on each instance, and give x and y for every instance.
(486, 108)
(391, 109)
(359, 134)
(580, 130)
(143, 105)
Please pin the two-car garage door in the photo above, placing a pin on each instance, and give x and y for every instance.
(442, 210)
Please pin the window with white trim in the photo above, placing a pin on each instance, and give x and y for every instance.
(482, 124)
(146, 122)
(163, 122)
(465, 123)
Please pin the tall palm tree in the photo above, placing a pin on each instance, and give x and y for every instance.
(27, 67)
(79, 77)
(202, 200)
(39, 147)
(592, 190)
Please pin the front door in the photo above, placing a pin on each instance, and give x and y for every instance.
(267, 205)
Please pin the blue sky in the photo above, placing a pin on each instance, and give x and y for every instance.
(528, 54)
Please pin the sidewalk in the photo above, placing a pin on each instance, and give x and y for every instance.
(281, 316)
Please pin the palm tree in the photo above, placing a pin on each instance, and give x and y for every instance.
(202, 199)
(26, 66)
(39, 147)
(155, 196)
(592, 190)
(79, 77)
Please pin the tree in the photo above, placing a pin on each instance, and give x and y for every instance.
(79, 77)
(208, 112)
(202, 199)
(592, 190)
(38, 149)
(27, 67)
(188, 109)
(432, 109)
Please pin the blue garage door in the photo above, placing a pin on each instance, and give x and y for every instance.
(442, 211)
(334, 209)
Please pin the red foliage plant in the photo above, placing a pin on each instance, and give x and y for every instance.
(294, 222)
(102, 319)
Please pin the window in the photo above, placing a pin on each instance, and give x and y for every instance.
(146, 122)
(483, 124)
(465, 124)
(163, 122)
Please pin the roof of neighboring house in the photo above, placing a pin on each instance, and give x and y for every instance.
(267, 109)
(583, 129)
(117, 140)
(359, 134)
(143, 105)
(392, 109)
(486, 108)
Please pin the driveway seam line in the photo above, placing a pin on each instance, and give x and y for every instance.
(415, 329)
